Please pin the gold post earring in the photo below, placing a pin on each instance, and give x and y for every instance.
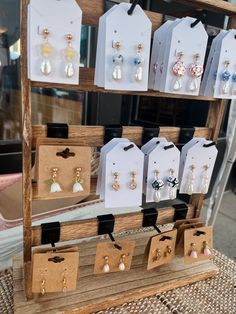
(168, 250)
(64, 282)
(157, 255)
(55, 186)
(43, 286)
(78, 187)
(133, 183)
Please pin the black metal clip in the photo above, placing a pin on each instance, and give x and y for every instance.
(106, 226)
(131, 9)
(198, 233)
(169, 146)
(66, 153)
(50, 233)
(112, 131)
(150, 218)
(165, 238)
(201, 17)
(56, 259)
(209, 145)
(57, 130)
(126, 148)
(181, 211)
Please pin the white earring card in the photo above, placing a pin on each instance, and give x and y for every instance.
(123, 180)
(122, 63)
(184, 55)
(54, 41)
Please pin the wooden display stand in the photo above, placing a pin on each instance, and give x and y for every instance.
(99, 292)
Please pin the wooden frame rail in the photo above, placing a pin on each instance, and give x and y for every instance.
(75, 230)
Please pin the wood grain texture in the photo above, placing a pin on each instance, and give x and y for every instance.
(98, 292)
(93, 9)
(26, 151)
(75, 230)
(87, 85)
(232, 22)
(219, 6)
(94, 135)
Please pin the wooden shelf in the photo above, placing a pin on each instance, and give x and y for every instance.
(97, 292)
(87, 85)
(94, 135)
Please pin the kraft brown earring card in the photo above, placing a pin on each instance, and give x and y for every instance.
(198, 244)
(113, 257)
(55, 270)
(162, 249)
(62, 170)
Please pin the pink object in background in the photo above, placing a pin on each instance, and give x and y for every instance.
(7, 180)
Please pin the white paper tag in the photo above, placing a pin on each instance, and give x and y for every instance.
(61, 18)
(124, 162)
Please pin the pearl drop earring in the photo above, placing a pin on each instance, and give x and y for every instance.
(118, 60)
(191, 181)
(70, 54)
(139, 61)
(157, 185)
(205, 180)
(196, 70)
(46, 51)
(106, 267)
(173, 184)
(122, 262)
(179, 70)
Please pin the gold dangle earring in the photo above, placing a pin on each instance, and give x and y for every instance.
(77, 187)
(70, 55)
(55, 186)
(46, 51)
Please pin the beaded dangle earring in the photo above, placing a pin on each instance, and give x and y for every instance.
(205, 180)
(78, 187)
(179, 70)
(191, 180)
(55, 186)
(173, 184)
(118, 60)
(46, 51)
(234, 84)
(225, 76)
(157, 185)
(70, 55)
(115, 184)
(133, 183)
(139, 61)
(196, 70)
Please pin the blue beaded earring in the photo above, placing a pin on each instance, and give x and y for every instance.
(138, 62)
(118, 60)
(225, 76)
(234, 84)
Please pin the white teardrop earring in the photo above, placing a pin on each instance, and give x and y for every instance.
(46, 51)
(122, 262)
(78, 187)
(55, 186)
(138, 62)
(191, 180)
(205, 180)
(106, 267)
(157, 186)
(118, 60)
(179, 70)
(173, 184)
(196, 70)
(70, 54)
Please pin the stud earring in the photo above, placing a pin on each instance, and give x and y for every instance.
(64, 282)
(115, 183)
(225, 76)
(55, 186)
(196, 70)
(133, 183)
(157, 255)
(173, 184)
(77, 187)
(179, 70)
(106, 267)
(69, 54)
(46, 51)
(193, 252)
(168, 250)
(43, 287)
(157, 185)
(122, 262)
(139, 61)
(191, 181)
(205, 180)
(118, 60)
(206, 249)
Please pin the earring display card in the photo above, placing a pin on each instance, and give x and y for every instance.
(54, 41)
(122, 63)
(110, 259)
(55, 271)
(200, 241)
(162, 249)
(184, 58)
(63, 171)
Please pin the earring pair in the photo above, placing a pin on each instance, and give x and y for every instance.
(179, 70)
(55, 186)
(64, 283)
(158, 184)
(118, 60)
(192, 177)
(121, 265)
(205, 250)
(158, 255)
(69, 54)
(116, 186)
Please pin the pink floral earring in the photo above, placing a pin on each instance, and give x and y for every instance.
(179, 70)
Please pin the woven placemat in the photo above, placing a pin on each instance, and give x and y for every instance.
(211, 296)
